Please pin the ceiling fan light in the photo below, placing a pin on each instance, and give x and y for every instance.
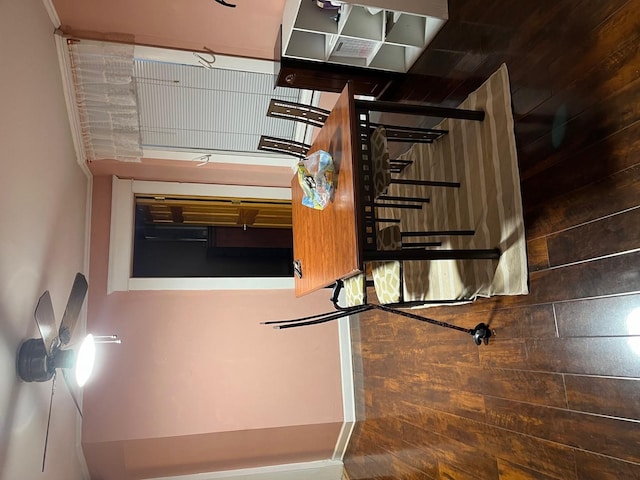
(85, 360)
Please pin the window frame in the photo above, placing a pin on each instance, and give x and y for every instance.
(123, 192)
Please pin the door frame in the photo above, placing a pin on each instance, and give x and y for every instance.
(123, 193)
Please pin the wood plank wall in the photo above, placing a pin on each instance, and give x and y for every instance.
(557, 392)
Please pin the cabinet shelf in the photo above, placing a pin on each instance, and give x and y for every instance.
(360, 23)
(310, 17)
(371, 36)
(307, 45)
(397, 58)
(353, 61)
(403, 29)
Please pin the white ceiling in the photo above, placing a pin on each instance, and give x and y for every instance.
(42, 245)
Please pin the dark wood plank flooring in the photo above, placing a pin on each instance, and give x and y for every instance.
(556, 395)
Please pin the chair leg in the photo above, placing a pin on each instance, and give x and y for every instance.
(405, 199)
(401, 162)
(426, 183)
(421, 244)
(437, 233)
(396, 133)
(450, 254)
(410, 206)
(424, 110)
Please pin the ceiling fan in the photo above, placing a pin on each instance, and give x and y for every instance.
(39, 359)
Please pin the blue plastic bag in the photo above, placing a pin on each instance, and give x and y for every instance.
(315, 175)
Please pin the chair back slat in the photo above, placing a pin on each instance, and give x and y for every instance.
(298, 112)
(284, 146)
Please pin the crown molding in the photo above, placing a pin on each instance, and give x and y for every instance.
(53, 14)
(69, 97)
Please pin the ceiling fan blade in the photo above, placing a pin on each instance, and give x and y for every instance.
(70, 386)
(72, 311)
(46, 437)
(45, 319)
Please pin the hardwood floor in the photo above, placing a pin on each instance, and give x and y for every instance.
(556, 395)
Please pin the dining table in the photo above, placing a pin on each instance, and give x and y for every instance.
(335, 242)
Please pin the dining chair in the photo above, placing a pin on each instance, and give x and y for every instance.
(382, 170)
(377, 179)
(300, 150)
(386, 276)
(387, 280)
(316, 116)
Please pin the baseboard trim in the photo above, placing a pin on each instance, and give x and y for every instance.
(348, 392)
(318, 470)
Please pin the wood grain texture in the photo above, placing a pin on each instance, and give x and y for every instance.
(577, 244)
(537, 253)
(600, 467)
(325, 241)
(622, 397)
(604, 435)
(556, 393)
(510, 471)
(597, 317)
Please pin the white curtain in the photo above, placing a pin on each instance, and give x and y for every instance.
(105, 90)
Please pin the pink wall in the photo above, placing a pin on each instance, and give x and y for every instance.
(209, 452)
(327, 100)
(198, 384)
(189, 172)
(198, 363)
(249, 30)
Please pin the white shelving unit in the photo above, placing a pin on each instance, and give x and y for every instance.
(381, 34)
